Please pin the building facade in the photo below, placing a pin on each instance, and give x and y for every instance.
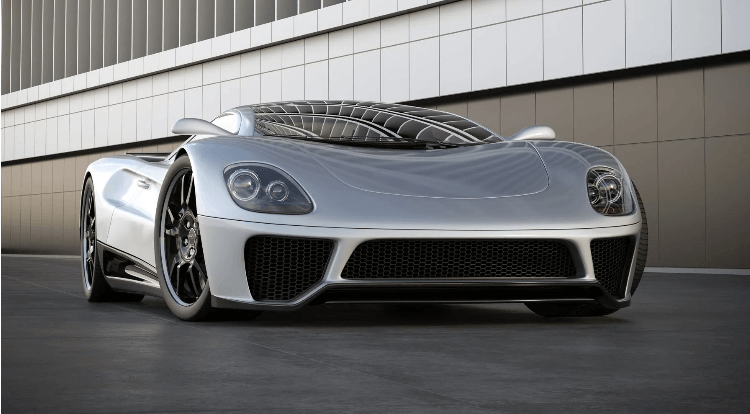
(662, 84)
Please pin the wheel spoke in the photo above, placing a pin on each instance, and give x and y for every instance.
(192, 281)
(171, 217)
(171, 232)
(177, 270)
(190, 190)
(182, 190)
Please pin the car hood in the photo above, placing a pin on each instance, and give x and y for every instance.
(504, 169)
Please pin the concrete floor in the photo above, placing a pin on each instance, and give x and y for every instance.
(684, 346)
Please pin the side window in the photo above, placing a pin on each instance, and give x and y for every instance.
(228, 121)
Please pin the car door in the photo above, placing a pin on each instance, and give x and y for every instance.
(132, 228)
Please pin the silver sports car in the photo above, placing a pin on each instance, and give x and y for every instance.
(277, 206)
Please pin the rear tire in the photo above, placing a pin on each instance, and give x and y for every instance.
(579, 309)
(95, 286)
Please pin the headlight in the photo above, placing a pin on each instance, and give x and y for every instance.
(609, 192)
(266, 189)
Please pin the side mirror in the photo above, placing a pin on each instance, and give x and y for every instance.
(194, 126)
(533, 133)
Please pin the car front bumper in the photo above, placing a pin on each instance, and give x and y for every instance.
(224, 242)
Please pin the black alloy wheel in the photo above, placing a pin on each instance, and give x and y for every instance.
(95, 285)
(180, 263)
(183, 256)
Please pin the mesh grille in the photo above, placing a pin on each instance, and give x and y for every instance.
(280, 268)
(396, 259)
(610, 258)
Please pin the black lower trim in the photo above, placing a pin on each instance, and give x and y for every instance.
(127, 273)
(463, 292)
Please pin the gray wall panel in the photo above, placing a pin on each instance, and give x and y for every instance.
(25, 45)
(37, 7)
(187, 21)
(84, 35)
(124, 27)
(140, 28)
(109, 52)
(265, 11)
(71, 38)
(97, 34)
(206, 19)
(48, 32)
(58, 64)
(155, 21)
(244, 16)
(5, 68)
(224, 17)
(171, 25)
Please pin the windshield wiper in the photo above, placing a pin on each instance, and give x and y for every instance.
(359, 141)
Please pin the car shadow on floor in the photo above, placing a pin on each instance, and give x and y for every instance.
(381, 315)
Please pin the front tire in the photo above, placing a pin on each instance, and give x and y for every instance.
(563, 309)
(180, 263)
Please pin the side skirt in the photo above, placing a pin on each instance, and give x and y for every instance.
(127, 273)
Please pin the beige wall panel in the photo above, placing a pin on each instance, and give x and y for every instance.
(78, 213)
(47, 241)
(554, 109)
(486, 112)
(682, 204)
(70, 223)
(36, 234)
(36, 178)
(609, 148)
(26, 179)
(58, 229)
(641, 163)
(150, 148)
(680, 105)
(635, 110)
(93, 157)
(5, 207)
(82, 162)
(15, 172)
(167, 147)
(58, 175)
(728, 100)
(15, 223)
(458, 108)
(727, 193)
(593, 119)
(71, 181)
(517, 112)
(7, 181)
(25, 242)
(47, 177)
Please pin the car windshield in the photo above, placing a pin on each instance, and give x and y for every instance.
(343, 131)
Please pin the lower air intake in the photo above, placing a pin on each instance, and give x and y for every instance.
(423, 259)
(282, 268)
(611, 263)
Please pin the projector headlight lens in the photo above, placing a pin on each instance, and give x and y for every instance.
(609, 194)
(244, 185)
(266, 189)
